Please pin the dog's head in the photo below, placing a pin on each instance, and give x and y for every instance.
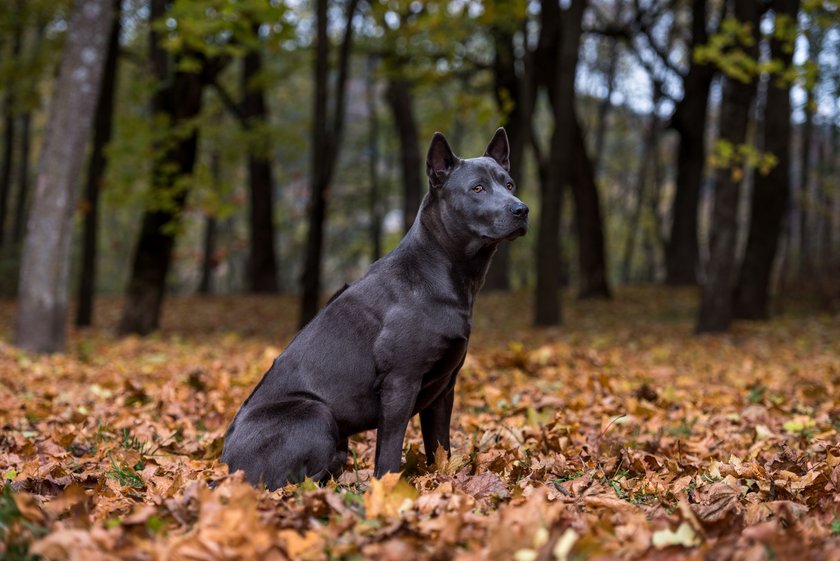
(476, 196)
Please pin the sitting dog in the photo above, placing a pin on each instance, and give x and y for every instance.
(391, 344)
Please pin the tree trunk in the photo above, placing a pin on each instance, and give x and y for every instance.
(96, 174)
(326, 138)
(374, 205)
(771, 192)
(689, 120)
(208, 259)
(604, 107)
(9, 132)
(180, 100)
(805, 199)
(634, 223)
(557, 64)
(42, 304)
(514, 93)
(211, 227)
(590, 232)
(25, 148)
(402, 106)
(262, 264)
(23, 177)
(716, 307)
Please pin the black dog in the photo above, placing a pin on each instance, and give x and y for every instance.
(390, 345)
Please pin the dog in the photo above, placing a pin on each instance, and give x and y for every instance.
(390, 345)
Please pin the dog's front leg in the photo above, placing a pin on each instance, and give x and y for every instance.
(397, 398)
(434, 424)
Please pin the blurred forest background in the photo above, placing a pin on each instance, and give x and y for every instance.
(159, 147)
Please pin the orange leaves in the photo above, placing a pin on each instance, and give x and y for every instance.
(389, 496)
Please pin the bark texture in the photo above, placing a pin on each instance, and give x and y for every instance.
(556, 64)
(771, 192)
(326, 138)
(42, 304)
(96, 174)
(592, 258)
(682, 252)
(716, 306)
(178, 99)
(401, 101)
(262, 263)
(8, 134)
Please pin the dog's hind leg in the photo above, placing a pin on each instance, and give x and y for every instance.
(278, 443)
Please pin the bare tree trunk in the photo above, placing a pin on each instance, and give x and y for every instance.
(25, 147)
(23, 177)
(771, 192)
(604, 107)
(374, 204)
(96, 174)
(9, 130)
(514, 91)
(590, 232)
(326, 138)
(716, 307)
(262, 263)
(682, 252)
(180, 100)
(557, 64)
(42, 304)
(805, 200)
(634, 223)
(211, 227)
(208, 262)
(402, 106)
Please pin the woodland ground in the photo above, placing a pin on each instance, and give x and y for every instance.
(618, 436)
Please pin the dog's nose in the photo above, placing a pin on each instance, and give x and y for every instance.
(519, 210)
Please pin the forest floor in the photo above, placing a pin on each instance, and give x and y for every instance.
(617, 436)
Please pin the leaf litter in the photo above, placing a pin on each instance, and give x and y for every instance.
(617, 436)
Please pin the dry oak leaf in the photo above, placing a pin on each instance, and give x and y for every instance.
(389, 496)
(721, 500)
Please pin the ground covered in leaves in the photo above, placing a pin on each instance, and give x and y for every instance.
(618, 436)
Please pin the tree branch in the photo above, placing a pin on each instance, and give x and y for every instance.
(233, 107)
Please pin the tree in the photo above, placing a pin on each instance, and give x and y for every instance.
(592, 258)
(262, 263)
(96, 173)
(374, 204)
(682, 252)
(739, 62)
(556, 64)
(326, 140)
(401, 101)
(9, 123)
(514, 88)
(771, 192)
(177, 101)
(30, 101)
(42, 303)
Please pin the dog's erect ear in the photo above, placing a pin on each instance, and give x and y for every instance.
(498, 149)
(439, 161)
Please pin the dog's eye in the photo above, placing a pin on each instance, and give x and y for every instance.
(478, 188)
(509, 186)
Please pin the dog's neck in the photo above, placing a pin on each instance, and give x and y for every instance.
(466, 261)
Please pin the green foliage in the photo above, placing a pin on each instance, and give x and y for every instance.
(737, 158)
(728, 49)
(218, 28)
(124, 475)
